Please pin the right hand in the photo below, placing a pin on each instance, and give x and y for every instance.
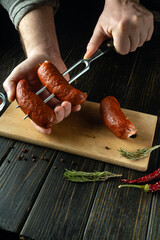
(127, 22)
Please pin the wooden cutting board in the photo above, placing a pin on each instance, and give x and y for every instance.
(84, 134)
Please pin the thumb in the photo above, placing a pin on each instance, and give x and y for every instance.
(96, 40)
(11, 81)
(10, 88)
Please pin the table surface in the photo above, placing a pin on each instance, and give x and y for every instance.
(36, 201)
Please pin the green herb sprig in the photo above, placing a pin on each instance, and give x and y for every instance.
(138, 154)
(80, 176)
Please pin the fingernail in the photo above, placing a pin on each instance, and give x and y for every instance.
(87, 55)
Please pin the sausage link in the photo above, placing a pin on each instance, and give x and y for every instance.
(33, 105)
(115, 119)
(58, 85)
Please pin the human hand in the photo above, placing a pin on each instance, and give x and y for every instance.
(28, 70)
(127, 22)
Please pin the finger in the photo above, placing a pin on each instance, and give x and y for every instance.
(10, 83)
(121, 43)
(67, 108)
(59, 112)
(96, 40)
(150, 32)
(10, 88)
(142, 39)
(134, 42)
(76, 108)
(45, 131)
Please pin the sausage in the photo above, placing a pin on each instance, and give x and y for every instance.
(33, 105)
(58, 85)
(115, 119)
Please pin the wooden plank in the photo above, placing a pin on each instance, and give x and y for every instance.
(118, 213)
(83, 133)
(153, 230)
(20, 183)
(6, 145)
(62, 207)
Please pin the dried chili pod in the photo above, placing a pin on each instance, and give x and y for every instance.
(147, 178)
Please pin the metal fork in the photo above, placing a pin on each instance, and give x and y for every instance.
(105, 47)
(3, 99)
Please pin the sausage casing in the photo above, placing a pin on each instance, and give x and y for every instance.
(33, 105)
(115, 119)
(58, 85)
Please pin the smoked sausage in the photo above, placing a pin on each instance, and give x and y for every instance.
(115, 119)
(33, 105)
(58, 85)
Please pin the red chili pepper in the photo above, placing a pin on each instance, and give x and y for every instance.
(147, 187)
(147, 178)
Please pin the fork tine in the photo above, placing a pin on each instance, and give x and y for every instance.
(49, 98)
(79, 74)
(41, 90)
(72, 67)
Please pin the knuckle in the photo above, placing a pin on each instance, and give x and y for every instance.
(135, 21)
(129, 24)
(123, 26)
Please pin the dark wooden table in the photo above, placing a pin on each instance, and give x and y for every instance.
(36, 201)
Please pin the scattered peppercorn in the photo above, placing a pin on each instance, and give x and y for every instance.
(19, 158)
(25, 159)
(33, 156)
(24, 150)
(55, 167)
(8, 161)
(107, 148)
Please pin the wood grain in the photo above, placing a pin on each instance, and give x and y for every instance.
(63, 206)
(83, 133)
(36, 202)
(20, 182)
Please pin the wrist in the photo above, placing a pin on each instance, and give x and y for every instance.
(48, 53)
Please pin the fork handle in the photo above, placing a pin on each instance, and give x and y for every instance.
(106, 46)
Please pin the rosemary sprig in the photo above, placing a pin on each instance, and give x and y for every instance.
(80, 176)
(138, 154)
